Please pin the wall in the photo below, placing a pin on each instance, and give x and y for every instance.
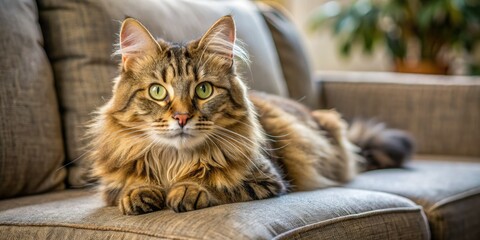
(322, 46)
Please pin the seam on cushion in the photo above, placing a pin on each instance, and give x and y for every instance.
(350, 217)
(96, 228)
(454, 198)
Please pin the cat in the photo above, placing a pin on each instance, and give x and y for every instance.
(182, 131)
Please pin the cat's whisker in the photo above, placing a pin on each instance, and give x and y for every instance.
(130, 130)
(263, 132)
(164, 129)
(209, 138)
(156, 124)
(235, 133)
(124, 133)
(279, 148)
(265, 151)
(72, 161)
(244, 144)
(217, 137)
(204, 124)
(201, 129)
(125, 128)
(237, 148)
(241, 136)
(87, 151)
(246, 158)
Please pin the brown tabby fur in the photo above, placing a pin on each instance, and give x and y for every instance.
(236, 146)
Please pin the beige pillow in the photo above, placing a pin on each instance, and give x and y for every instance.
(79, 37)
(31, 146)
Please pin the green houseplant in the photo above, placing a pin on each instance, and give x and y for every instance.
(422, 36)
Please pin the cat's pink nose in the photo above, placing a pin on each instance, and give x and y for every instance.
(182, 118)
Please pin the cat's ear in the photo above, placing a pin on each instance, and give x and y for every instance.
(135, 42)
(220, 38)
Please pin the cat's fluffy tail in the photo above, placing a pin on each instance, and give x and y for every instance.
(380, 146)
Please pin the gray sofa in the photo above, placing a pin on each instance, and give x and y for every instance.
(56, 68)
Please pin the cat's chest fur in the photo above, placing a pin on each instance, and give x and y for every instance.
(166, 166)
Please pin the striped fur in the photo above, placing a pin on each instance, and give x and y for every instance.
(234, 146)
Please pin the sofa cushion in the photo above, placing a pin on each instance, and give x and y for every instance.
(292, 55)
(80, 35)
(449, 193)
(334, 213)
(31, 146)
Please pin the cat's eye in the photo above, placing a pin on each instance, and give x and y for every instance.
(157, 92)
(204, 90)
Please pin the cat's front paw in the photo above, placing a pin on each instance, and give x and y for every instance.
(184, 197)
(143, 199)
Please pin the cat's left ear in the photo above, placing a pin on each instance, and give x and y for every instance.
(220, 38)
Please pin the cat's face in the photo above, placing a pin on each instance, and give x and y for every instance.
(178, 95)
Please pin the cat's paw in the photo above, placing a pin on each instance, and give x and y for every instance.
(184, 197)
(143, 199)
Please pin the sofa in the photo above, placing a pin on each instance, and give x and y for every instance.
(56, 68)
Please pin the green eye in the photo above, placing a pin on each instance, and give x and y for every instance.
(204, 90)
(157, 92)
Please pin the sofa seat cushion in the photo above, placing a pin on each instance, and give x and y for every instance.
(334, 213)
(448, 191)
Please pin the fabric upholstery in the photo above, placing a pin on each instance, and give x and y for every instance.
(80, 35)
(361, 226)
(449, 193)
(303, 215)
(31, 146)
(442, 112)
(291, 53)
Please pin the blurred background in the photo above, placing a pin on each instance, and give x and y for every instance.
(415, 36)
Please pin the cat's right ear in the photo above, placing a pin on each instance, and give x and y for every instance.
(136, 42)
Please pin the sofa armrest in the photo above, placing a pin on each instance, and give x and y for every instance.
(441, 112)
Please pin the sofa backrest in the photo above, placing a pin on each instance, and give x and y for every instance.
(441, 112)
(31, 145)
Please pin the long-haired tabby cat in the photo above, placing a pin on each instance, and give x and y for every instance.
(182, 132)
